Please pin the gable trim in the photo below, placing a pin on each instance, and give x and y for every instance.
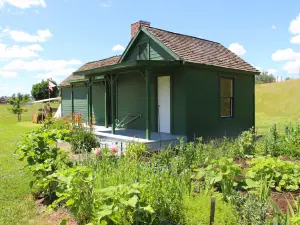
(161, 44)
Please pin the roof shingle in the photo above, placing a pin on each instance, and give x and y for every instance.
(92, 65)
(68, 79)
(201, 51)
(100, 63)
(191, 49)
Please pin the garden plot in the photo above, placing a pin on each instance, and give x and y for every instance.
(248, 177)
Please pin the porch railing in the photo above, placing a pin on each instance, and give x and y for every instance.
(127, 120)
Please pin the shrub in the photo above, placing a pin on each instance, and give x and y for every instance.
(82, 141)
(197, 210)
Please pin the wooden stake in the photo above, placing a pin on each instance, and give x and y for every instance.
(212, 210)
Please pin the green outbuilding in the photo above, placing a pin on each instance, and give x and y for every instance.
(165, 83)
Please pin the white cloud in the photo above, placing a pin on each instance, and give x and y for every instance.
(285, 54)
(52, 74)
(106, 4)
(257, 67)
(274, 27)
(1, 3)
(24, 4)
(237, 49)
(41, 65)
(21, 36)
(295, 25)
(292, 67)
(17, 51)
(8, 74)
(272, 71)
(295, 39)
(118, 47)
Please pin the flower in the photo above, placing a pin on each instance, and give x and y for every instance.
(97, 151)
(114, 148)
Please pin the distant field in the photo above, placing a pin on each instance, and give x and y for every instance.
(277, 102)
(26, 116)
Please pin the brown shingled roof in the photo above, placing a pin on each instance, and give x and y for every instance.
(100, 63)
(92, 65)
(69, 78)
(201, 51)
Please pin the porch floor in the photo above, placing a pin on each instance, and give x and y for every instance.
(158, 140)
(134, 135)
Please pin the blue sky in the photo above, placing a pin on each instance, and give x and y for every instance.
(42, 38)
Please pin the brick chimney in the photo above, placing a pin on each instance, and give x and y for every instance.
(136, 26)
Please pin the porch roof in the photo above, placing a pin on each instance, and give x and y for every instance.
(129, 66)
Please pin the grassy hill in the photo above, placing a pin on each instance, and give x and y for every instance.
(279, 102)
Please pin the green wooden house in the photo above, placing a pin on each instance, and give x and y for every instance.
(164, 83)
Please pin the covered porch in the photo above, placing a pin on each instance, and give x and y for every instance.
(136, 101)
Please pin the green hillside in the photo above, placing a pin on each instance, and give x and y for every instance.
(279, 102)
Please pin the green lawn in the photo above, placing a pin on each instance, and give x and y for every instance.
(277, 102)
(16, 203)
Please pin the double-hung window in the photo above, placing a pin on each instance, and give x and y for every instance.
(226, 98)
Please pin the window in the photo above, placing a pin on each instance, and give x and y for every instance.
(143, 53)
(226, 90)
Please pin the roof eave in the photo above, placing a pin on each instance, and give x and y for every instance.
(219, 68)
(130, 65)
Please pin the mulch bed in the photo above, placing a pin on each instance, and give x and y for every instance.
(282, 198)
(53, 217)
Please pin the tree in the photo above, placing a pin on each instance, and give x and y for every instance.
(16, 101)
(288, 78)
(264, 78)
(40, 90)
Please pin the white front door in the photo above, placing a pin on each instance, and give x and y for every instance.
(164, 105)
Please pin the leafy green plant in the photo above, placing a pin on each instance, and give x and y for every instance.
(222, 174)
(246, 142)
(280, 174)
(82, 141)
(43, 158)
(75, 190)
(121, 205)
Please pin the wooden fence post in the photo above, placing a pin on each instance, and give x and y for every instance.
(212, 210)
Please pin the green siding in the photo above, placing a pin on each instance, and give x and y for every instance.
(81, 101)
(203, 104)
(98, 103)
(66, 102)
(154, 51)
(178, 104)
(131, 99)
